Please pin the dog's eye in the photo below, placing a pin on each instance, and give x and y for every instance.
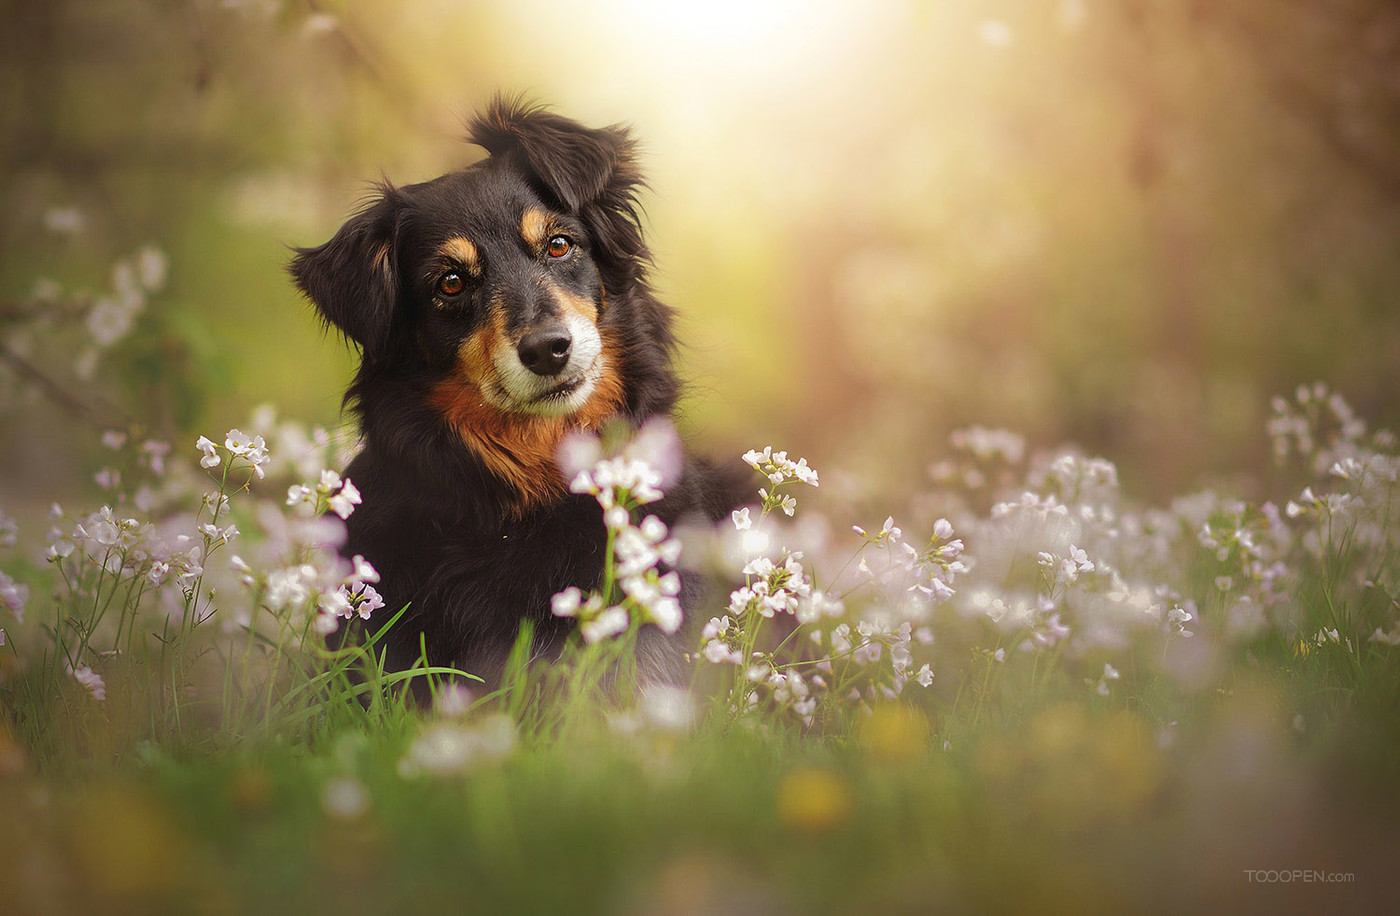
(559, 246)
(451, 283)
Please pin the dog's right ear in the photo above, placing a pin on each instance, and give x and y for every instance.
(353, 280)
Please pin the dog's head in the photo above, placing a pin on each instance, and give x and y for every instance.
(495, 279)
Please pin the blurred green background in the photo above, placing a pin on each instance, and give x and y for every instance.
(1125, 224)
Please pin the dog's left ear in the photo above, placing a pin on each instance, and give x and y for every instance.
(577, 165)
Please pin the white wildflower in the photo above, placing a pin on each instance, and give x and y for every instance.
(301, 498)
(778, 468)
(64, 220)
(367, 601)
(567, 602)
(158, 572)
(109, 321)
(239, 442)
(361, 571)
(151, 268)
(608, 623)
(89, 679)
(336, 603)
(1390, 639)
(242, 570)
(445, 748)
(211, 453)
(667, 708)
(344, 502)
(345, 798)
(616, 518)
(13, 596)
(717, 652)
(153, 454)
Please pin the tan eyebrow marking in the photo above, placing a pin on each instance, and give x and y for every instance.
(462, 251)
(534, 227)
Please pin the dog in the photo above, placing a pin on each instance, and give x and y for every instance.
(496, 309)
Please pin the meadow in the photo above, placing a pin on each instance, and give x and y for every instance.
(1059, 340)
(1021, 691)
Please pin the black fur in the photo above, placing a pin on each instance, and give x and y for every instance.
(450, 538)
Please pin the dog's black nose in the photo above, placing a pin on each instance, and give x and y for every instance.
(545, 351)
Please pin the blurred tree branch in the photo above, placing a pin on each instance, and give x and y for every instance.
(100, 414)
(351, 40)
(359, 52)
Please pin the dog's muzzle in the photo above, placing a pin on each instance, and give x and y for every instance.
(546, 351)
(552, 369)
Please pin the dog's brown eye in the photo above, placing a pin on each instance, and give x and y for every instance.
(451, 283)
(559, 246)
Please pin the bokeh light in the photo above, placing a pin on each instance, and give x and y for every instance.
(1122, 224)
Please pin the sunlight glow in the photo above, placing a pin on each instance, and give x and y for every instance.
(725, 41)
(728, 21)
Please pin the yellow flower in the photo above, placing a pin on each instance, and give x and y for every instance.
(813, 799)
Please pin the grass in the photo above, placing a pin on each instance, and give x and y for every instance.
(1068, 808)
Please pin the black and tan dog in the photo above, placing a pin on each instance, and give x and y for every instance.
(495, 309)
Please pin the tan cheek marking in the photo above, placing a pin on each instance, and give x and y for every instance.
(519, 449)
(462, 251)
(474, 361)
(579, 305)
(534, 227)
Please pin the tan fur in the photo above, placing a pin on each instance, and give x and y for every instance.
(462, 251)
(579, 305)
(519, 448)
(474, 356)
(535, 226)
(380, 260)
